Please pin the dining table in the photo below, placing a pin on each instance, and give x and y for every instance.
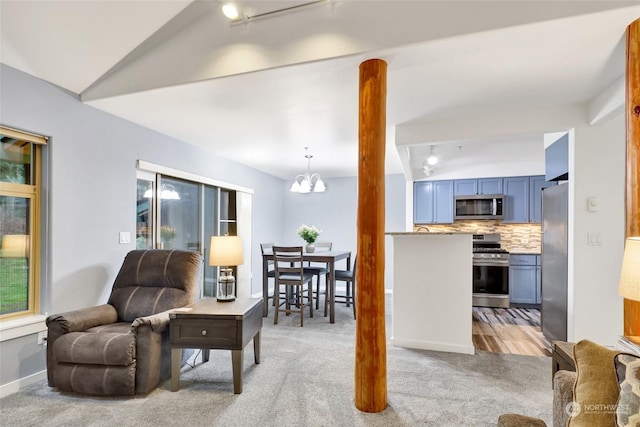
(325, 257)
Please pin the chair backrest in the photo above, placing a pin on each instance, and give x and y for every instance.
(264, 246)
(151, 281)
(288, 264)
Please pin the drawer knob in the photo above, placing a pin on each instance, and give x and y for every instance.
(204, 332)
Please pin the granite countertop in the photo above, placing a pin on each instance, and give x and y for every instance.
(523, 252)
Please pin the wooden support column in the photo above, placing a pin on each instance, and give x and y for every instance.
(632, 308)
(371, 348)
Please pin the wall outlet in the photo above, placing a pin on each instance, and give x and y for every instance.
(42, 338)
(594, 238)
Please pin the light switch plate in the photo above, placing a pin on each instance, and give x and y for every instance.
(592, 204)
(125, 237)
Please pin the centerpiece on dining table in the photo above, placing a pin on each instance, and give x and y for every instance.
(309, 234)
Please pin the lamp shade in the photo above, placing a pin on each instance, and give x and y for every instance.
(630, 275)
(15, 246)
(226, 250)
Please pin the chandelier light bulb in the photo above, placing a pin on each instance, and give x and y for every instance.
(230, 11)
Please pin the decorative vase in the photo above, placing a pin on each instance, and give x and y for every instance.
(310, 248)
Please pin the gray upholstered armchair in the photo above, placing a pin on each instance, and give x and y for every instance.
(122, 347)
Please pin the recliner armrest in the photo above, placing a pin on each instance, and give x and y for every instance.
(83, 319)
(157, 322)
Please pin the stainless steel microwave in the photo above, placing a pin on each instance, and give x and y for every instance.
(485, 206)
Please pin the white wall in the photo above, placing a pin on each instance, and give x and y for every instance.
(598, 170)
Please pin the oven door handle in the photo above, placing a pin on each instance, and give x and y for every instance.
(491, 264)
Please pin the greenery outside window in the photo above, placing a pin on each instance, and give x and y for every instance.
(20, 187)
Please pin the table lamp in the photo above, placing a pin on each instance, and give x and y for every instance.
(226, 251)
(630, 275)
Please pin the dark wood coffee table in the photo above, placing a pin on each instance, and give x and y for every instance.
(209, 324)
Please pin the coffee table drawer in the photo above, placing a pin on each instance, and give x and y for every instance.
(219, 334)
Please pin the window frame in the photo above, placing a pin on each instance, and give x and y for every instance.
(33, 192)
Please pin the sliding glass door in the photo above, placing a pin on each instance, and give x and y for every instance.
(179, 214)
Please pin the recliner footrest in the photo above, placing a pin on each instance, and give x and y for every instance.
(106, 348)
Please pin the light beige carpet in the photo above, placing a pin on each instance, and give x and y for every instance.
(306, 379)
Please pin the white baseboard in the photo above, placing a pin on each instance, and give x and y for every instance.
(15, 386)
(434, 346)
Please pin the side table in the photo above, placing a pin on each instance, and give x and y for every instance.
(209, 324)
(561, 357)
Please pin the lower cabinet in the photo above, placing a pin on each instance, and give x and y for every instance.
(524, 279)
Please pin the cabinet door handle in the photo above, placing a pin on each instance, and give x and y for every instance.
(204, 332)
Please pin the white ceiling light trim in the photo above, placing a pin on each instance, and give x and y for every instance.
(237, 16)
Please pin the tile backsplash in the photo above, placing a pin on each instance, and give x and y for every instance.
(517, 238)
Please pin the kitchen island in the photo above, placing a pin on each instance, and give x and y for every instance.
(432, 291)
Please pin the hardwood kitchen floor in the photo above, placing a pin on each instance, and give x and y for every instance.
(509, 330)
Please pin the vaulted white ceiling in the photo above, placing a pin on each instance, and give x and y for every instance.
(260, 91)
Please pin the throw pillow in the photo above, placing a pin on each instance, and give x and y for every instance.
(596, 391)
(628, 372)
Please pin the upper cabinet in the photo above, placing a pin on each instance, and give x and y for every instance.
(536, 184)
(490, 186)
(433, 202)
(523, 198)
(556, 160)
(471, 187)
(516, 199)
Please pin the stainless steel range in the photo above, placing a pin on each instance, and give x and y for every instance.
(490, 272)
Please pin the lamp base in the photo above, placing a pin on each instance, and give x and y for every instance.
(226, 291)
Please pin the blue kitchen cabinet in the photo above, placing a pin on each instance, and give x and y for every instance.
(466, 187)
(423, 202)
(556, 160)
(516, 199)
(472, 187)
(433, 202)
(536, 184)
(490, 186)
(524, 275)
(443, 202)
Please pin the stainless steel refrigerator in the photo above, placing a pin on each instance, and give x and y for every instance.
(554, 275)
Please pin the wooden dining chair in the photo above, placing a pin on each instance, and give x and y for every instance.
(349, 297)
(318, 270)
(289, 272)
(271, 272)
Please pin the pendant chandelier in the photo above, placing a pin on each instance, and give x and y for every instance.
(305, 183)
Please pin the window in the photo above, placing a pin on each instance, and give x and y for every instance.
(181, 210)
(173, 213)
(20, 185)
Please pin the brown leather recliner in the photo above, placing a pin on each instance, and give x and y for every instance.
(122, 347)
